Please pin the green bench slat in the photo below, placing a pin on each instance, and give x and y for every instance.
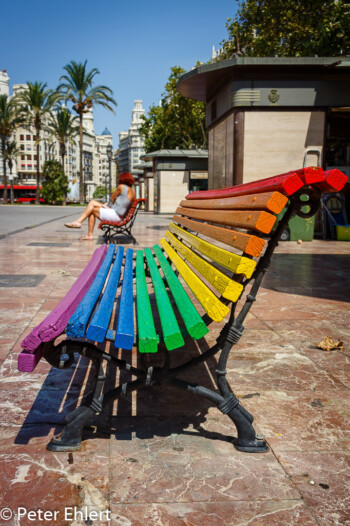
(171, 331)
(147, 336)
(194, 324)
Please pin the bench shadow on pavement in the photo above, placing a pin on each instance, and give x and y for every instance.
(164, 410)
(119, 239)
(151, 412)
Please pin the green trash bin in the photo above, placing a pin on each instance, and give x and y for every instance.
(298, 227)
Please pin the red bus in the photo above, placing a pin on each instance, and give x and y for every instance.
(22, 193)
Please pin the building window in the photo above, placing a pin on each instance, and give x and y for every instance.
(21, 137)
(28, 137)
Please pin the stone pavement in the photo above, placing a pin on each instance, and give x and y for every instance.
(164, 458)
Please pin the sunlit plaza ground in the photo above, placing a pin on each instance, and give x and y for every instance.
(163, 458)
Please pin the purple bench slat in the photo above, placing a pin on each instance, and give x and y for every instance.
(28, 361)
(56, 322)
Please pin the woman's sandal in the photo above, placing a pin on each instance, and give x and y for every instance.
(86, 238)
(72, 225)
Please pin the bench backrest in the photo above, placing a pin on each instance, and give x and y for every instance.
(207, 225)
(130, 216)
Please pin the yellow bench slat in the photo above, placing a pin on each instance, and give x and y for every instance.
(212, 305)
(233, 262)
(228, 288)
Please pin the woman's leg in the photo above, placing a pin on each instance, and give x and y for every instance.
(91, 223)
(89, 210)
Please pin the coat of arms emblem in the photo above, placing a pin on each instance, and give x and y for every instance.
(274, 96)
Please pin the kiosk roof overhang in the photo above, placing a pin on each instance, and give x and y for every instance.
(201, 83)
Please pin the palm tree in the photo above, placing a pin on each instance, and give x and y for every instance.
(11, 154)
(36, 102)
(9, 120)
(78, 87)
(62, 125)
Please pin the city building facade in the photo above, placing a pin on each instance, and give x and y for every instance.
(131, 144)
(97, 166)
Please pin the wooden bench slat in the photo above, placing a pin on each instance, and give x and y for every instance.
(212, 305)
(228, 288)
(56, 322)
(287, 184)
(171, 331)
(194, 324)
(271, 202)
(98, 325)
(76, 326)
(334, 181)
(233, 262)
(248, 243)
(250, 220)
(124, 338)
(147, 336)
(310, 174)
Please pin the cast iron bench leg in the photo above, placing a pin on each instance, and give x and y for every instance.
(71, 437)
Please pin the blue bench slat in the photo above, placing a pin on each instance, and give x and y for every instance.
(125, 329)
(77, 323)
(110, 336)
(99, 324)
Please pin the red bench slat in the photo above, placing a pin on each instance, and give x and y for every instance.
(287, 184)
(334, 181)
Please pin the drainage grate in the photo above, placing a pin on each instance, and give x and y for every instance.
(38, 244)
(21, 280)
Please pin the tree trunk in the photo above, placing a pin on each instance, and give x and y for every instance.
(81, 174)
(3, 149)
(37, 199)
(64, 202)
(12, 197)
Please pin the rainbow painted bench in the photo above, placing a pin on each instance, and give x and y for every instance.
(112, 229)
(218, 242)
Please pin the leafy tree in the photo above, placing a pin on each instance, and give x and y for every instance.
(99, 192)
(290, 28)
(55, 182)
(36, 102)
(78, 87)
(176, 122)
(62, 125)
(9, 120)
(11, 154)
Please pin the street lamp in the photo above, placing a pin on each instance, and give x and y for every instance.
(109, 155)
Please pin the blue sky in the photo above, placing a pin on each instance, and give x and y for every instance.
(133, 44)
